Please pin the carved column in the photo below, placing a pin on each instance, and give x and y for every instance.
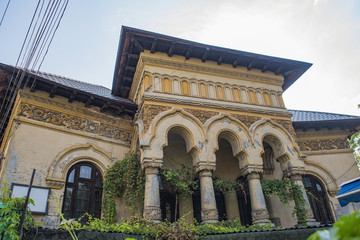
(297, 178)
(152, 209)
(259, 212)
(209, 211)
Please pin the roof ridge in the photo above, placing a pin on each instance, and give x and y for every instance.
(66, 78)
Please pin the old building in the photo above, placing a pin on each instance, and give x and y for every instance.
(218, 111)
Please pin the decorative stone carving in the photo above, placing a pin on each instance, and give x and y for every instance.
(202, 168)
(202, 115)
(152, 213)
(323, 144)
(260, 214)
(209, 214)
(257, 169)
(287, 125)
(247, 120)
(151, 164)
(149, 112)
(68, 121)
(93, 112)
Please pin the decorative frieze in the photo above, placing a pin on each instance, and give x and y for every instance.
(323, 144)
(149, 112)
(202, 115)
(245, 119)
(68, 121)
(287, 124)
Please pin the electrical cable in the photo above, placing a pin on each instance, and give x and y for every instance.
(5, 12)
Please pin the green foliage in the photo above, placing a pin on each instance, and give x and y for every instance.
(164, 230)
(180, 181)
(224, 186)
(346, 228)
(124, 179)
(10, 214)
(354, 143)
(286, 190)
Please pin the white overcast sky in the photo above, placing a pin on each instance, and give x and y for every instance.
(325, 33)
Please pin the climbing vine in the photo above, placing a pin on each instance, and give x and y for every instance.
(179, 182)
(222, 185)
(124, 179)
(286, 190)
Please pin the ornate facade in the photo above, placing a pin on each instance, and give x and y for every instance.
(218, 111)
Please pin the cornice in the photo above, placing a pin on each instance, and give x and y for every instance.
(215, 104)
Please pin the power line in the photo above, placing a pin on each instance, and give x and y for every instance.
(5, 12)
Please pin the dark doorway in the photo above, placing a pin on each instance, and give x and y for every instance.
(243, 197)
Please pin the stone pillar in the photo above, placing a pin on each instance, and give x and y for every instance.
(209, 211)
(297, 178)
(259, 212)
(232, 206)
(152, 209)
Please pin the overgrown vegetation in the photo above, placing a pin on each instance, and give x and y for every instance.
(346, 228)
(10, 214)
(124, 179)
(166, 230)
(287, 190)
(354, 143)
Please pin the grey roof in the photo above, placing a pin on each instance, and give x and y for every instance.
(310, 116)
(82, 86)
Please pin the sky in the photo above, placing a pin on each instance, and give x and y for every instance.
(325, 33)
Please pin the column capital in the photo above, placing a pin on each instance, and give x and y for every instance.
(294, 173)
(254, 168)
(204, 167)
(151, 164)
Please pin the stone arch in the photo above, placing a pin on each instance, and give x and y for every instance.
(184, 123)
(322, 173)
(288, 153)
(231, 129)
(56, 176)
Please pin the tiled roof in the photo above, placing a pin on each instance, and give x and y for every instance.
(82, 86)
(310, 116)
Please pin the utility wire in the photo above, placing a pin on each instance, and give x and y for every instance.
(5, 12)
(42, 34)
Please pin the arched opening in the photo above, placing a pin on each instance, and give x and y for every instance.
(318, 199)
(244, 202)
(268, 159)
(175, 157)
(227, 168)
(83, 191)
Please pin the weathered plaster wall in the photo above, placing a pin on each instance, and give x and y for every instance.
(52, 149)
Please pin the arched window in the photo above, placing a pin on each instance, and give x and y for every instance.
(243, 197)
(318, 199)
(83, 191)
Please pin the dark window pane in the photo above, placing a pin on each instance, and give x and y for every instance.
(71, 176)
(98, 179)
(67, 202)
(85, 172)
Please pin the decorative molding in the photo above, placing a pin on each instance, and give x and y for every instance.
(209, 214)
(202, 115)
(148, 113)
(258, 169)
(55, 183)
(204, 168)
(146, 164)
(125, 121)
(260, 214)
(249, 76)
(60, 119)
(323, 144)
(211, 103)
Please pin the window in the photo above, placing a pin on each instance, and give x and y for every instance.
(318, 199)
(83, 191)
